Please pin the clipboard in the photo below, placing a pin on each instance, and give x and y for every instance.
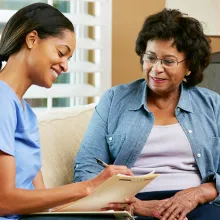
(116, 189)
(111, 213)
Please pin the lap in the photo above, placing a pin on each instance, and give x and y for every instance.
(202, 212)
(65, 217)
(205, 212)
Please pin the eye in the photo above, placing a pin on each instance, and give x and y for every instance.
(169, 61)
(60, 54)
(150, 58)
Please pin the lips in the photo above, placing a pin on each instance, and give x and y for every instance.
(156, 79)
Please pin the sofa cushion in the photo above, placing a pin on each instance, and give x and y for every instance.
(61, 133)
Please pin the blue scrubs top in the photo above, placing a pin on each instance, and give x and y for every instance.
(19, 137)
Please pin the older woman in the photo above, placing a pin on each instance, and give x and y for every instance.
(163, 122)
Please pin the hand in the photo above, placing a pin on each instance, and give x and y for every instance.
(147, 208)
(109, 171)
(141, 208)
(179, 205)
(127, 206)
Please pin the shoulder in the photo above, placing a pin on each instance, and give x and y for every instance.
(9, 103)
(205, 98)
(204, 94)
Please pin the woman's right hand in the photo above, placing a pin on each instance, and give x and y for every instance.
(148, 208)
(109, 171)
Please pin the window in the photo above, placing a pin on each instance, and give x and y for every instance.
(89, 73)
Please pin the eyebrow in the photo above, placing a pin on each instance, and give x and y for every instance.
(67, 48)
(166, 55)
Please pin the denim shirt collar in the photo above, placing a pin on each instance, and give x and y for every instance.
(141, 97)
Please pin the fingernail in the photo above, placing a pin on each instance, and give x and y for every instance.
(156, 214)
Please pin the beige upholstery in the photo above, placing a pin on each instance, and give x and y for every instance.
(61, 132)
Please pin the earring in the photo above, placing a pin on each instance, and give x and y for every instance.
(30, 46)
(188, 73)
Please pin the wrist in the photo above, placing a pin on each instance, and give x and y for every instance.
(207, 192)
(200, 195)
(89, 188)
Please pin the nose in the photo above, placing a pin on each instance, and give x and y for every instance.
(64, 66)
(158, 67)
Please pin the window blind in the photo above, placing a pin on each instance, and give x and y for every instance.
(89, 73)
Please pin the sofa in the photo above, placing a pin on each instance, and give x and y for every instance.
(61, 133)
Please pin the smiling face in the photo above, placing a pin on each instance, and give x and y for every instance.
(162, 79)
(48, 57)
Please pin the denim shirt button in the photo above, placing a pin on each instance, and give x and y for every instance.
(190, 131)
(198, 155)
(110, 138)
(178, 109)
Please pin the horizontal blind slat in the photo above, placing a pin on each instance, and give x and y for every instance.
(87, 43)
(80, 19)
(83, 66)
(85, 19)
(62, 91)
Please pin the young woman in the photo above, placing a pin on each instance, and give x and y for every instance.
(36, 43)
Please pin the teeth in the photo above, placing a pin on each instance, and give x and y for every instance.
(55, 74)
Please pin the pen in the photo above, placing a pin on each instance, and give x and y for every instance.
(101, 163)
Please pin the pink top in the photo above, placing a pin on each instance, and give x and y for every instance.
(168, 151)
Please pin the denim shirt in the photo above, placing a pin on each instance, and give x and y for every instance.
(121, 124)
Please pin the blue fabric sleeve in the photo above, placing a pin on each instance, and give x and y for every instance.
(217, 175)
(94, 143)
(8, 123)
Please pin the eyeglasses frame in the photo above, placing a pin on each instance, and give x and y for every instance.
(158, 59)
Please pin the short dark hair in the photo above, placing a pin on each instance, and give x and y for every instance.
(42, 17)
(187, 34)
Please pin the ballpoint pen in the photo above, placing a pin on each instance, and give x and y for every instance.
(101, 163)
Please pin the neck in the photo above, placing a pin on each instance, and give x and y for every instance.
(164, 101)
(15, 75)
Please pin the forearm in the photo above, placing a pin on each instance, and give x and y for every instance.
(38, 181)
(207, 193)
(19, 201)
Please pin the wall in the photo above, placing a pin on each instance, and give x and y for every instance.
(128, 17)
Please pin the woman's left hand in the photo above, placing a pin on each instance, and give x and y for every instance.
(179, 205)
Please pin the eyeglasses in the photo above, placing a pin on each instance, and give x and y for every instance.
(167, 62)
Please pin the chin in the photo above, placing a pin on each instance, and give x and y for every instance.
(48, 86)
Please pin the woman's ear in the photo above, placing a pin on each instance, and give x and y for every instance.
(187, 74)
(31, 39)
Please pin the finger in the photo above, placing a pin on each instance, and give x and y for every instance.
(118, 206)
(183, 215)
(175, 214)
(130, 200)
(130, 209)
(162, 208)
(113, 169)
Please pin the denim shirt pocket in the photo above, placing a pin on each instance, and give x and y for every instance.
(115, 142)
